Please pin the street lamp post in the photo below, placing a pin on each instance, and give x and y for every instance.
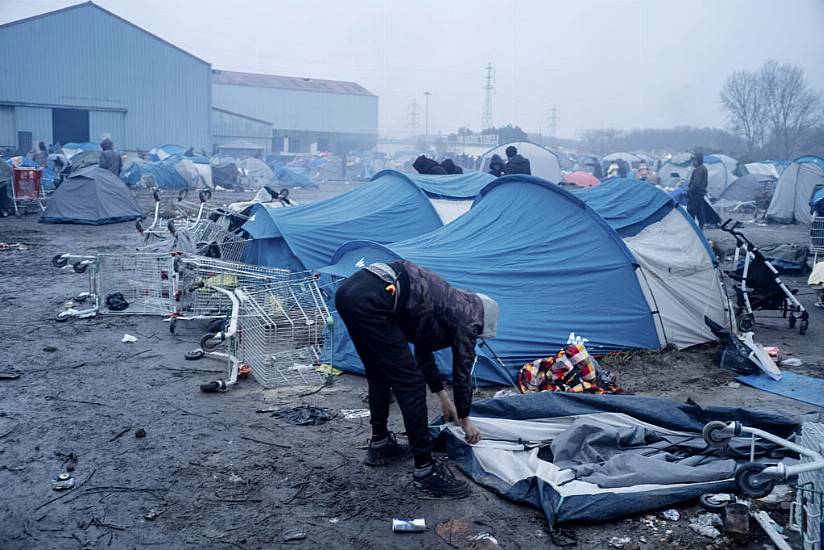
(426, 130)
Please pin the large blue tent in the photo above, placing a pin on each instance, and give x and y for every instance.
(390, 208)
(555, 266)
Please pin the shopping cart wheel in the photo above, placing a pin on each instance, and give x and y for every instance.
(746, 322)
(79, 267)
(803, 326)
(749, 482)
(182, 194)
(156, 195)
(208, 342)
(205, 195)
(712, 435)
(194, 354)
(62, 316)
(59, 261)
(212, 387)
(172, 325)
(139, 226)
(82, 297)
(714, 503)
(792, 320)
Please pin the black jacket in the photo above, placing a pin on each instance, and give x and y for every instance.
(437, 316)
(517, 165)
(450, 167)
(425, 165)
(496, 166)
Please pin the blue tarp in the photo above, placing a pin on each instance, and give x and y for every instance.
(291, 177)
(452, 186)
(628, 205)
(817, 200)
(163, 172)
(553, 264)
(388, 209)
(646, 479)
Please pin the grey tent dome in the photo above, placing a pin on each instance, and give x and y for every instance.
(91, 196)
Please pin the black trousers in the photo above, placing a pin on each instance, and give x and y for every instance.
(366, 308)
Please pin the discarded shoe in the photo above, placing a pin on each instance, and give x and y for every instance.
(386, 453)
(440, 483)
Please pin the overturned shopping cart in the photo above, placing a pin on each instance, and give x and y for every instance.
(275, 331)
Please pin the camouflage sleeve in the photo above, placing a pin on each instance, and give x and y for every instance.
(463, 359)
(426, 362)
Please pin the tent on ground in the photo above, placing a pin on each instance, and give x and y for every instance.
(603, 457)
(255, 172)
(91, 196)
(165, 151)
(543, 162)
(796, 186)
(815, 159)
(294, 177)
(174, 172)
(452, 194)
(559, 271)
(751, 187)
(633, 161)
(387, 209)
(720, 171)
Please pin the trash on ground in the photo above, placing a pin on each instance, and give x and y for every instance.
(305, 415)
(334, 520)
(49, 349)
(773, 351)
(10, 375)
(737, 520)
(140, 432)
(771, 529)
(63, 482)
(328, 370)
(705, 525)
(671, 514)
(128, 339)
(294, 534)
(618, 542)
(355, 413)
(408, 525)
(734, 385)
(153, 514)
(781, 493)
(791, 362)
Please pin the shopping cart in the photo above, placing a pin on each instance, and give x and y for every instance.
(276, 331)
(124, 284)
(27, 190)
(807, 512)
(817, 236)
(198, 277)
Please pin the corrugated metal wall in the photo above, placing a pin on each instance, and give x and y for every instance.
(301, 110)
(106, 63)
(7, 136)
(227, 127)
(107, 124)
(36, 120)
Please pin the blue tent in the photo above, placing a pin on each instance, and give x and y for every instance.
(388, 209)
(464, 186)
(292, 177)
(811, 158)
(163, 172)
(556, 268)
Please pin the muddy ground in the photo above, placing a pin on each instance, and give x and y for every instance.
(212, 471)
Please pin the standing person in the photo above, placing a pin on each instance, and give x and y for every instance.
(515, 163)
(109, 158)
(697, 189)
(623, 168)
(385, 307)
(496, 166)
(40, 155)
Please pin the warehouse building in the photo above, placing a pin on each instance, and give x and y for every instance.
(289, 114)
(105, 77)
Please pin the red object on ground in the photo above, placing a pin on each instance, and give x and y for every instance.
(27, 184)
(582, 179)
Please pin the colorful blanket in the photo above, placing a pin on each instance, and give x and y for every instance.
(572, 370)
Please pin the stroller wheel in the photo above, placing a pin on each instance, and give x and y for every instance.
(746, 322)
(59, 261)
(792, 320)
(79, 267)
(802, 327)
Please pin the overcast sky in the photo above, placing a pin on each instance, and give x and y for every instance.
(603, 63)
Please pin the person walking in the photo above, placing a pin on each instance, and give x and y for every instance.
(109, 158)
(385, 307)
(697, 189)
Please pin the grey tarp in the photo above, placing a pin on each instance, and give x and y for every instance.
(603, 457)
(749, 188)
(795, 188)
(94, 196)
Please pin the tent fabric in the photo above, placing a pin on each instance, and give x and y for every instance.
(71, 149)
(555, 267)
(720, 171)
(581, 179)
(543, 162)
(390, 208)
(294, 178)
(749, 188)
(677, 268)
(815, 159)
(164, 174)
(91, 196)
(761, 169)
(796, 186)
(609, 455)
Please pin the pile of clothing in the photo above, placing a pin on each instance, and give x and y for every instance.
(571, 370)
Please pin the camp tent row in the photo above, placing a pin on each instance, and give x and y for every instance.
(564, 271)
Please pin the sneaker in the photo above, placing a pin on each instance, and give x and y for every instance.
(440, 484)
(386, 453)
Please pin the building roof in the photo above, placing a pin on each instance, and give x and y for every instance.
(104, 10)
(288, 83)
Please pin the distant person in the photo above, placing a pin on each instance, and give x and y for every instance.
(450, 167)
(697, 190)
(612, 169)
(643, 171)
(496, 166)
(190, 152)
(623, 168)
(425, 165)
(515, 163)
(6, 203)
(109, 158)
(40, 155)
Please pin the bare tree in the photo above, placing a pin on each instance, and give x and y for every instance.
(743, 100)
(792, 106)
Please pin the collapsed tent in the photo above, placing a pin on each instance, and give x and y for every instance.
(605, 457)
(387, 209)
(451, 194)
(560, 272)
(292, 177)
(795, 188)
(225, 172)
(91, 196)
(752, 187)
(174, 172)
(543, 162)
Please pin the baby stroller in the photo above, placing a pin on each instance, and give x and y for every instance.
(759, 287)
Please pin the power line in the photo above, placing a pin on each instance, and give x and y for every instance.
(489, 86)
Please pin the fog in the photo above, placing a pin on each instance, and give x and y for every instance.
(621, 63)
